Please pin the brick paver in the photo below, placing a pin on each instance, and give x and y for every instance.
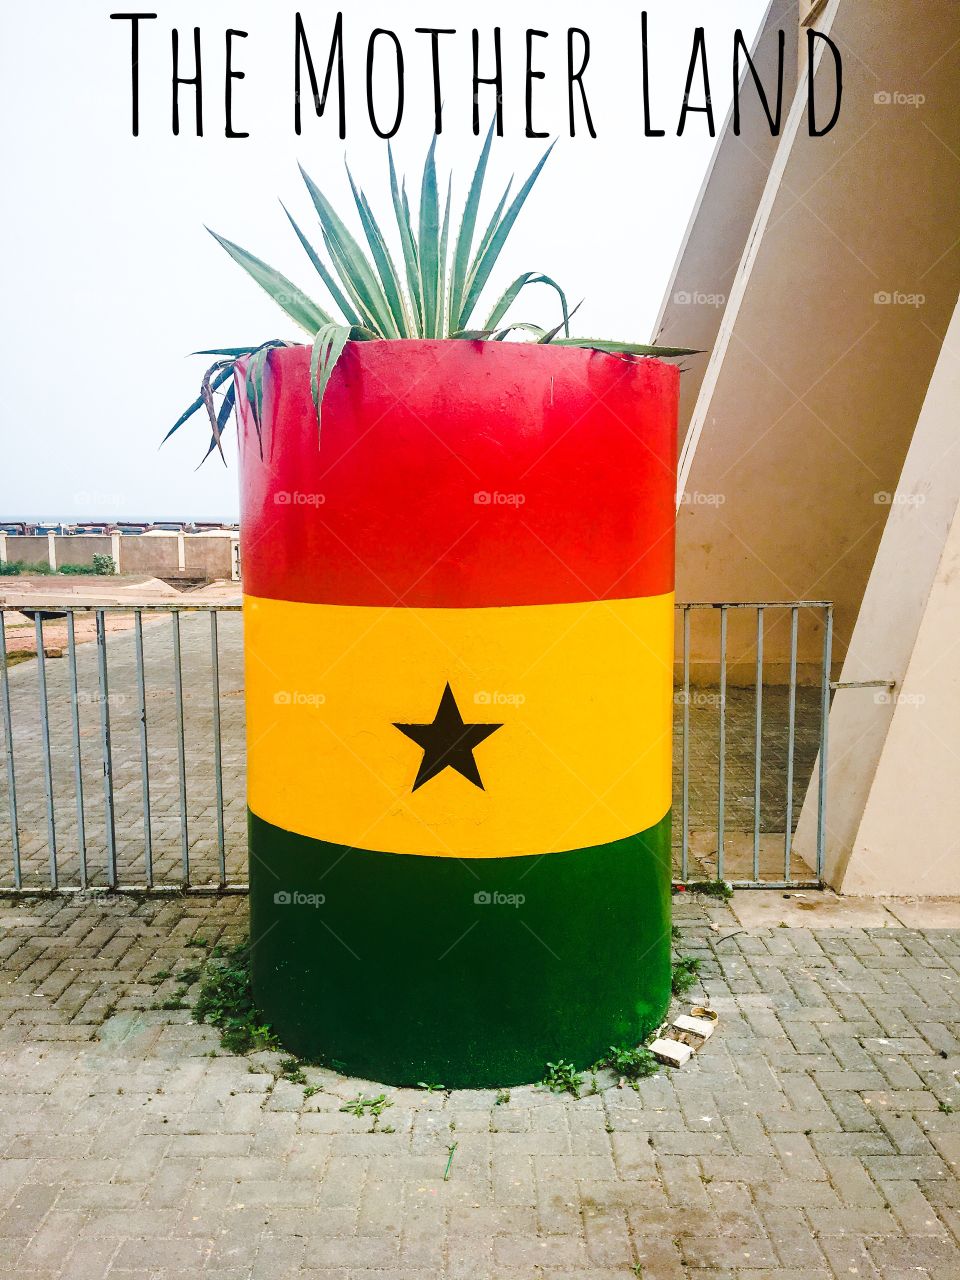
(815, 1137)
(200, 791)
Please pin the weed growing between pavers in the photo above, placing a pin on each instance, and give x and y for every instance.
(226, 1002)
(562, 1077)
(372, 1107)
(291, 1070)
(630, 1063)
(721, 889)
(685, 972)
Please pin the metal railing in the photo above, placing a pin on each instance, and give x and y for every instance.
(25, 737)
(150, 709)
(757, 865)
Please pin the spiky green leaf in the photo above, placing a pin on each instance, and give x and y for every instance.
(382, 260)
(487, 257)
(468, 224)
(442, 310)
(198, 403)
(408, 244)
(429, 242)
(284, 292)
(327, 349)
(509, 296)
(524, 327)
(352, 265)
(322, 270)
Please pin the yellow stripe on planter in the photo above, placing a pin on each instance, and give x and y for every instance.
(347, 707)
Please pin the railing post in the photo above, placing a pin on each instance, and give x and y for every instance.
(8, 751)
(181, 750)
(107, 749)
(144, 752)
(77, 758)
(758, 746)
(217, 751)
(722, 769)
(45, 746)
(791, 738)
(824, 736)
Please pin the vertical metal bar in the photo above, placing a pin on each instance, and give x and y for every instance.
(824, 726)
(45, 747)
(757, 746)
(181, 753)
(722, 770)
(77, 758)
(791, 733)
(217, 754)
(109, 814)
(144, 752)
(8, 746)
(685, 835)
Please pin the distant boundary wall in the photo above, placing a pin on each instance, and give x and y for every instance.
(162, 555)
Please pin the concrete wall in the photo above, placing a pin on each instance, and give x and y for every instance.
(197, 556)
(202, 556)
(82, 549)
(908, 841)
(719, 226)
(154, 555)
(892, 817)
(815, 381)
(30, 549)
(207, 557)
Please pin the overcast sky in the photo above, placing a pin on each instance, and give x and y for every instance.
(110, 279)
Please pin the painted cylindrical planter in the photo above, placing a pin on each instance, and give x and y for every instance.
(458, 619)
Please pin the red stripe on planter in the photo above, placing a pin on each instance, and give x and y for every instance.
(461, 473)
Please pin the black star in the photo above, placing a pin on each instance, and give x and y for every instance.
(448, 743)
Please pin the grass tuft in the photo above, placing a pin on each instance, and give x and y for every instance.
(686, 970)
(562, 1077)
(226, 1002)
(631, 1063)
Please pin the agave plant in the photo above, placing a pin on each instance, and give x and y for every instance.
(435, 295)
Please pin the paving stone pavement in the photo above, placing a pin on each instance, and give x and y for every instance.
(200, 799)
(815, 1137)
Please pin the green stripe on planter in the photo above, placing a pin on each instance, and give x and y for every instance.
(459, 971)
